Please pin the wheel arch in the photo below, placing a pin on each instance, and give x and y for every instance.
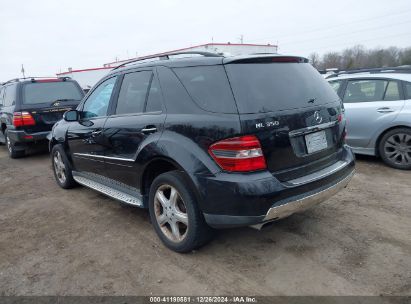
(159, 165)
(381, 135)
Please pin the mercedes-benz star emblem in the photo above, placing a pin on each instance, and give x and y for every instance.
(317, 117)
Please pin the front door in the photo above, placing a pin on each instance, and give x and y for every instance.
(85, 137)
(136, 123)
(370, 103)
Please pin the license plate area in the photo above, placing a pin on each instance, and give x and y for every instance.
(316, 142)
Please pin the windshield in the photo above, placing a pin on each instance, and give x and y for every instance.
(46, 92)
(267, 87)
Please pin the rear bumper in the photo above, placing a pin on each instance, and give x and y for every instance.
(254, 202)
(22, 137)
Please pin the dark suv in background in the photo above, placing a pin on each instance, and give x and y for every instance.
(207, 141)
(30, 107)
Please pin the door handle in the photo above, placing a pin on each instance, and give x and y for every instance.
(149, 129)
(385, 110)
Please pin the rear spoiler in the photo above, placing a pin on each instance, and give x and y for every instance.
(265, 59)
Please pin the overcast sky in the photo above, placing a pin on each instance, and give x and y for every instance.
(49, 36)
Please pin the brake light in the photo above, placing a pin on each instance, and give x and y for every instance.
(238, 154)
(23, 119)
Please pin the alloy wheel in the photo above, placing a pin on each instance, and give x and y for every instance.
(59, 167)
(397, 148)
(171, 213)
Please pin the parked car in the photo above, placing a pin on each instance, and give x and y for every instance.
(30, 107)
(207, 142)
(378, 109)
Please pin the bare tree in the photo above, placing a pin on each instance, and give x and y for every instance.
(314, 60)
(358, 57)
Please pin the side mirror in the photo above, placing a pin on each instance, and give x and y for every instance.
(71, 115)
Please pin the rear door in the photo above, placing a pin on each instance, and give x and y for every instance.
(46, 100)
(85, 137)
(137, 120)
(293, 111)
(370, 104)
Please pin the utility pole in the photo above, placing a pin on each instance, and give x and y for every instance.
(241, 39)
(22, 71)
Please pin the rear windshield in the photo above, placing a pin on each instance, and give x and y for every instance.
(46, 92)
(267, 87)
(209, 87)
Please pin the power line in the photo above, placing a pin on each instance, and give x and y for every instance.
(346, 34)
(338, 25)
(356, 43)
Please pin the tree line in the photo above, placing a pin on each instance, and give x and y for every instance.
(359, 57)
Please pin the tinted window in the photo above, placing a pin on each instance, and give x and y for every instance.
(154, 100)
(392, 91)
(133, 92)
(371, 90)
(175, 96)
(209, 87)
(265, 87)
(97, 103)
(408, 90)
(46, 92)
(335, 85)
(10, 95)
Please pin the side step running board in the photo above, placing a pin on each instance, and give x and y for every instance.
(109, 191)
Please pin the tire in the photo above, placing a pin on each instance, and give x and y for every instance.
(13, 153)
(395, 148)
(62, 168)
(182, 212)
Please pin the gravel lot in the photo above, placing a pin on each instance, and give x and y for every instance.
(78, 242)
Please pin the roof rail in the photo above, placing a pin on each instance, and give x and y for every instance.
(403, 69)
(166, 56)
(64, 78)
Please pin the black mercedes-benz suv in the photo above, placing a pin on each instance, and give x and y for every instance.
(30, 107)
(205, 141)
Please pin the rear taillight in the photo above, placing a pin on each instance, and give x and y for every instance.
(23, 119)
(238, 154)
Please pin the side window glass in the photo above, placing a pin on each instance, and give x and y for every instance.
(10, 95)
(392, 92)
(154, 100)
(176, 97)
(408, 90)
(335, 85)
(133, 92)
(97, 103)
(365, 90)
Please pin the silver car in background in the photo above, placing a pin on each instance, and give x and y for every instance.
(378, 111)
